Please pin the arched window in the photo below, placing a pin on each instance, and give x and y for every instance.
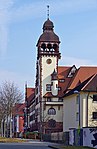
(55, 47)
(51, 123)
(49, 46)
(51, 111)
(43, 46)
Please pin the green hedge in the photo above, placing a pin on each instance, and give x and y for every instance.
(31, 135)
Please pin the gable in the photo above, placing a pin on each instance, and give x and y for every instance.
(82, 74)
(64, 73)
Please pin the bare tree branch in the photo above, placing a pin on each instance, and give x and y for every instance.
(9, 96)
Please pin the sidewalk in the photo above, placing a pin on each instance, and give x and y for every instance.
(49, 144)
(56, 146)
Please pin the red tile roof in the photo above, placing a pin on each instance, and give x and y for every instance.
(91, 84)
(29, 91)
(63, 74)
(85, 79)
(79, 87)
(82, 74)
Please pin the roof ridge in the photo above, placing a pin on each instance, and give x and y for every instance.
(88, 67)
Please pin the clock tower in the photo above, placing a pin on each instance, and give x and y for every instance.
(48, 56)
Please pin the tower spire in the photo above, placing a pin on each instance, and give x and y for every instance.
(47, 11)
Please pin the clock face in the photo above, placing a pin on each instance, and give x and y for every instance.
(49, 61)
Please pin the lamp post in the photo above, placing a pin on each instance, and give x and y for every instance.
(78, 93)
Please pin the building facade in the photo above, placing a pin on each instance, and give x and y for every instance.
(64, 97)
(18, 120)
(80, 102)
(47, 104)
(29, 110)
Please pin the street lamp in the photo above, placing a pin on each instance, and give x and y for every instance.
(78, 93)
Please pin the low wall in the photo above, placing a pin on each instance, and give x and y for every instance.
(90, 137)
(59, 137)
(83, 137)
(77, 137)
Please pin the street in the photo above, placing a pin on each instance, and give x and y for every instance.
(30, 145)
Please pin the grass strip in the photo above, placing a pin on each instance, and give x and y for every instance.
(11, 140)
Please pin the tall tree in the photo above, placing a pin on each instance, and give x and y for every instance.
(9, 96)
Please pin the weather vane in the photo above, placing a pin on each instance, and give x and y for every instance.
(47, 11)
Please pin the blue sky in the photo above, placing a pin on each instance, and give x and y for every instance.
(21, 21)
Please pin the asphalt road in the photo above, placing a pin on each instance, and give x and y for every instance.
(36, 145)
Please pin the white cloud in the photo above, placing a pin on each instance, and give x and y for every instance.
(74, 61)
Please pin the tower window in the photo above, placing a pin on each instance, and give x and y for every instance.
(51, 111)
(56, 85)
(48, 87)
(55, 46)
(43, 46)
(49, 46)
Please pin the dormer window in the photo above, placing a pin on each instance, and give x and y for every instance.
(70, 75)
(62, 80)
(72, 72)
